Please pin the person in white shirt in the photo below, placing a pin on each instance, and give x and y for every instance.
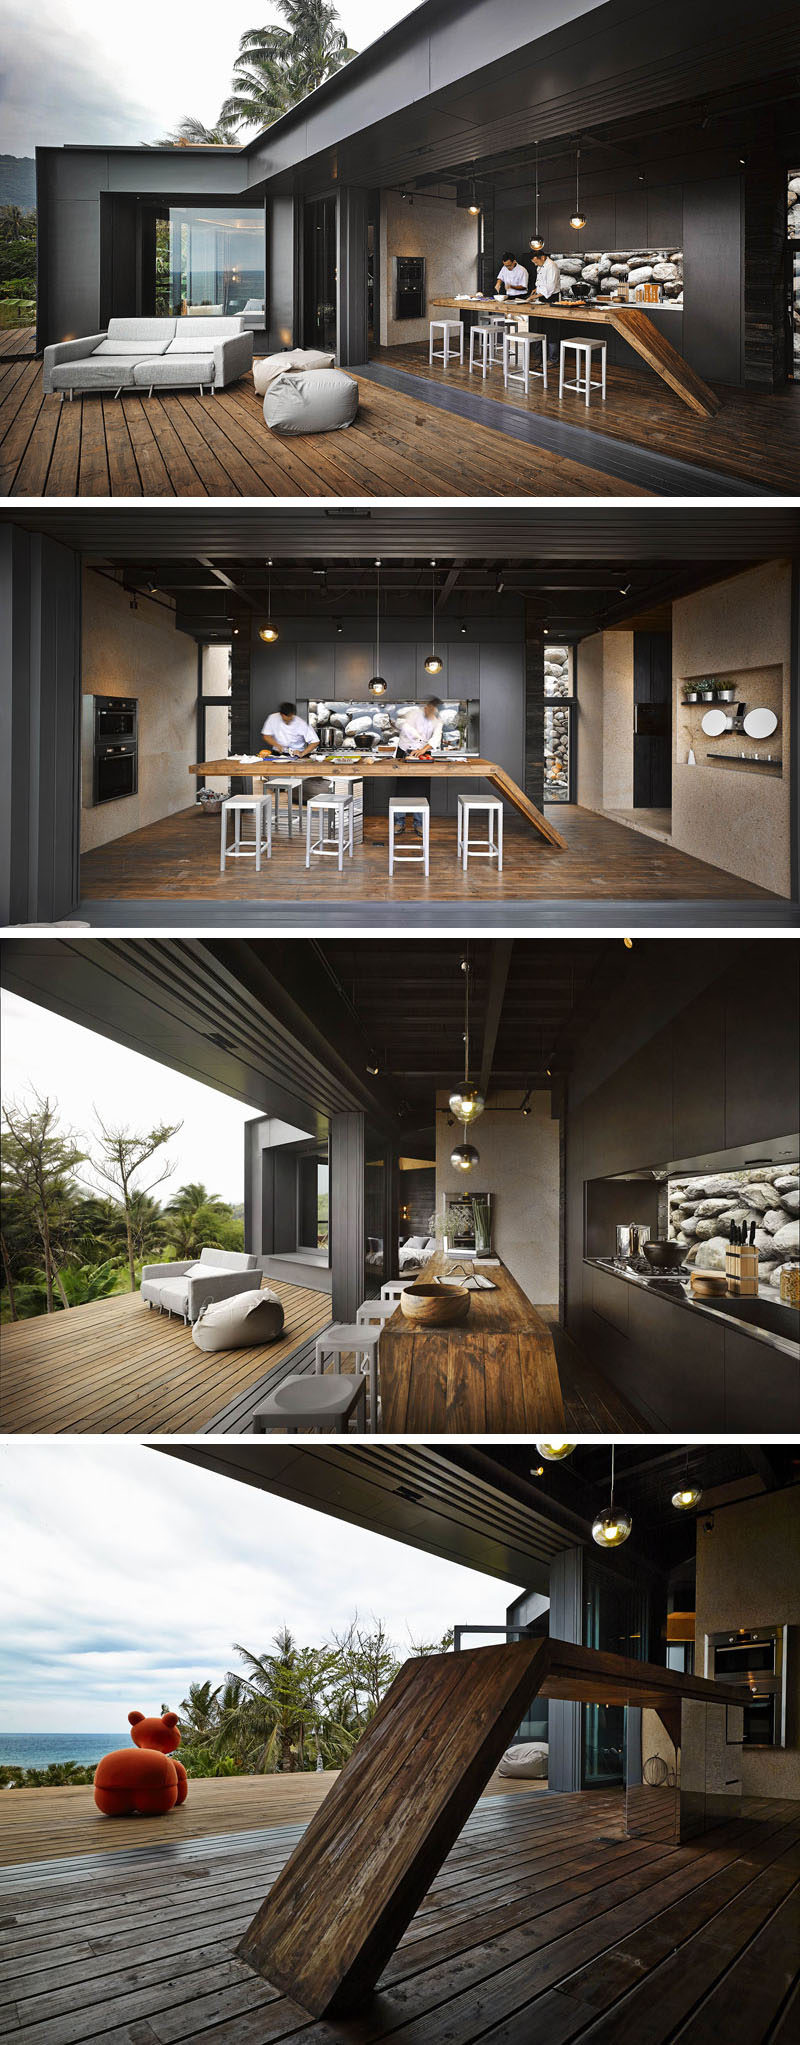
(512, 276)
(419, 729)
(547, 284)
(285, 732)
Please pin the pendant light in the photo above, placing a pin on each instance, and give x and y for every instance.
(473, 206)
(465, 1101)
(687, 1494)
(377, 687)
(611, 1527)
(578, 218)
(434, 662)
(537, 241)
(555, 1451)
(268, 632)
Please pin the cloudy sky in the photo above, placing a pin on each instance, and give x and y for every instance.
(82, 1071)
(84, 71)
(129, 1574)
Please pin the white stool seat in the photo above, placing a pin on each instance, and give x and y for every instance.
(345, 1338)
(379, 1310)
(291, 787)
(410, 805)
(449, 330)
(481, 340)
(585, 347)
(501, 323)
(239, 806)
(480, 848)
(393, 1288)
(329, 843)
(523, 344)
(314, 1401)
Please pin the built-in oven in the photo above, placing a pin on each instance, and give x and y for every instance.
(114, 717)
(756, 1656)
(109, 748)
(115, 771)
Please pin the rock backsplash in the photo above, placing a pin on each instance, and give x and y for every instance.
(701, 1211)
(607, 269)
(793, 206)
(556, 725)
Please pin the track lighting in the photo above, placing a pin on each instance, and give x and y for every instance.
(377, 686)
(268, 632)
(578, 219)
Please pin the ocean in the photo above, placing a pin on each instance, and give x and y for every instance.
(37, 1750)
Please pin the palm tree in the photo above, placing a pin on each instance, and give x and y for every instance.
(192, 130)
(277, 67)
(270, 1713)
(198, 1711)
(194, 1217)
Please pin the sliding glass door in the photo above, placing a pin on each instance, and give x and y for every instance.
(319, 274)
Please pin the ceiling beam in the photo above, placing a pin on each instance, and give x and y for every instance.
(495, 996)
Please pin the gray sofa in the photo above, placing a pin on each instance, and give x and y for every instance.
(188, 1287)
(145, 355)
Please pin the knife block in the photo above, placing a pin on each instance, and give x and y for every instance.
(741, 1269)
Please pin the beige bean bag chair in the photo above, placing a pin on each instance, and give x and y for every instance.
(528, 1758)
(311, 401)
(243, 1322)
(269, 366)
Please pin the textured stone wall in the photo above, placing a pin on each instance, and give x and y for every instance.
(614, 270)
(701, 1209)
(557, 682)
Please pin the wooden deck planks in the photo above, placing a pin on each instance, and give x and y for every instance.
(115, 1367)
(593, 1949)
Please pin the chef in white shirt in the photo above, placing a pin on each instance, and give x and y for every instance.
(547, 284)
(285, 732)
(512, 276)
(419, 729)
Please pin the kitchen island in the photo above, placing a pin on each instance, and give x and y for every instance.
(495, 1374)
(364, 765)
(630, 321)
(725, 1364)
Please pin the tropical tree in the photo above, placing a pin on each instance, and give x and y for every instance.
(122, 1153)
(195, 1217)
(191, 130)
(277, 66)
(38, 1166)
(275, 1709)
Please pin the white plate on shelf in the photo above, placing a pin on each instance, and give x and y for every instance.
(714, 723)
(760, 723)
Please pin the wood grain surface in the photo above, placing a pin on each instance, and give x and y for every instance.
(496, 1374)
(631, 321)
(368, 768)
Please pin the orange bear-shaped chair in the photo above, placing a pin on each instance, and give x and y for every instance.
(143, 1779)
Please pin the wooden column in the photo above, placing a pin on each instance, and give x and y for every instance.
(534, 705)
(764, 261)
(347, 1136)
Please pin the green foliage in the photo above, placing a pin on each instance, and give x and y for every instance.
(17, 266)
(58, 1775)
(275, 68)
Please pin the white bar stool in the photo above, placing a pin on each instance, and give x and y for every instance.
(480, 343)
(585, 348)
(410, 805)
(375, 1310)
(329, 844)
(523, 342)
(480, 848)
(290, 789)
(237, 806)
(393, 1288)
(306, 1402)
(501, 325)
(448, 330)
(345, 1338)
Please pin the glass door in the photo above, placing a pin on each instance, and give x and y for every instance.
(319, 274)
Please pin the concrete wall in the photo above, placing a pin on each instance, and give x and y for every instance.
(605, 721)
(139, 653)
(747, 1575)
(520, 1167)
(736, 818)
(446, 235)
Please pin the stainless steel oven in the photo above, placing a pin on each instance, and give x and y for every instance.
(109, 748)
(115, 771)
(755, 1655)
(114, 717)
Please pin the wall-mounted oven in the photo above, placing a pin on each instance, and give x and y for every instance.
(755, 1655)
(110, 748)
(114, 717)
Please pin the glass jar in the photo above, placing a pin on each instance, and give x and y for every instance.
(790, 1285)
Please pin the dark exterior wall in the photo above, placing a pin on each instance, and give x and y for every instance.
(311, 660)
(715, 1070)
(347, 1215)
(40, 601)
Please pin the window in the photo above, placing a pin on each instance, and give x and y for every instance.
(210, 259)
(312, 1203)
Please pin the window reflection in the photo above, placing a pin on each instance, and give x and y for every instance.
(210, 260)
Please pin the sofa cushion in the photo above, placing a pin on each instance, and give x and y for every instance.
(176, 369)
(94, 372)
(316, 401)
(215, 327)
(527, 1758)
(155, 330)
(135, 349)
(269, 366)
(245, 1322)
(171, 1293)
(186, 344)
(227, 1260)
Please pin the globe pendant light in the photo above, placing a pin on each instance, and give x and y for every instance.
(611, 1527)
(555, 1451)
(537, 241)
(434, 662)
(687, 1494)
(268, 632)
(377, 687)
(466, 1102)
(578, 218)
(473, 206)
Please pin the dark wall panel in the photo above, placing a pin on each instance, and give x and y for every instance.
(353, 250)
(565, 1730)
(347, 1220)
(713, 259)
(40, 583)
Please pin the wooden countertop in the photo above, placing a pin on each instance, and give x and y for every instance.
(495, 1374)
(631, 321)
(390, 770)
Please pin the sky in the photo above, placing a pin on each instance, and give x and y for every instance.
(93, 72)
(81, 1071)
(128, 1575)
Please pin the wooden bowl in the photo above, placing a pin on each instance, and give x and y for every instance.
(435, 1306)
(708, 1284)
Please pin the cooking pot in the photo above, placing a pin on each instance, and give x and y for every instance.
(664, 1256)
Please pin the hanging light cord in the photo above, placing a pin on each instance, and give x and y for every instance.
(433, 608)
(577, 179)
(612, 1477)
(378, 621)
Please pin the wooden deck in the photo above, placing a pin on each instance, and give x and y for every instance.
(755, 435)
(181, 445)
(16, 342)
(178, 859)
(545, 1925)
(115, 1367)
